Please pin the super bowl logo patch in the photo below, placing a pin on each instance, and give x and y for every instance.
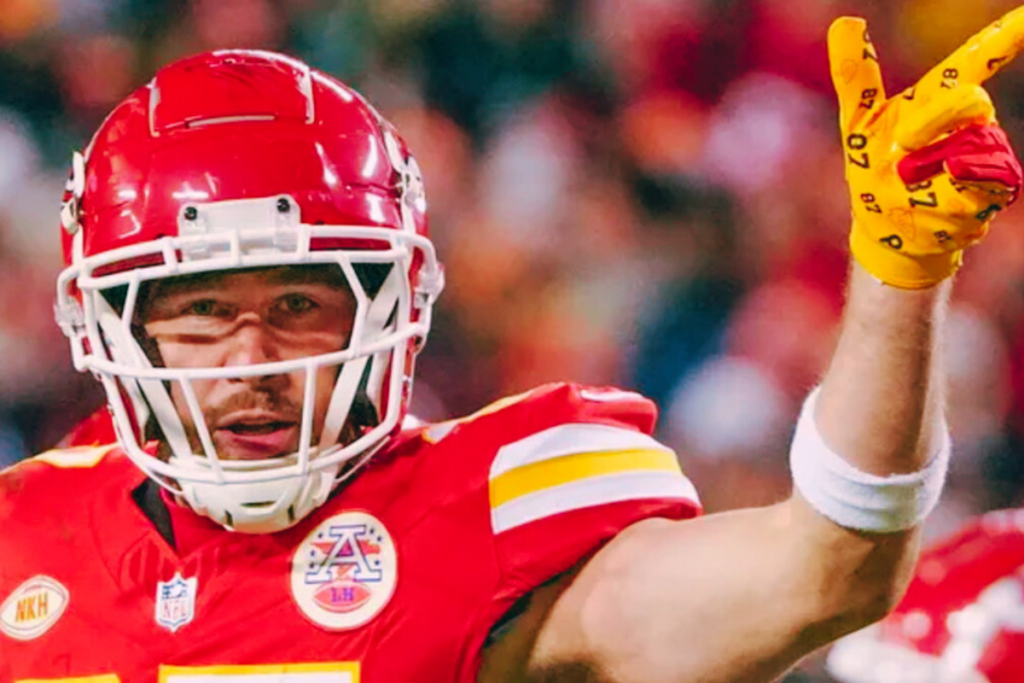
(176, 602)
(344, 572)
(33, 608)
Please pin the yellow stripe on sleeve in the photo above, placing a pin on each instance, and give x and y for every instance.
(546, 474)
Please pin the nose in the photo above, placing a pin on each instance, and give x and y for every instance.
(252, 344)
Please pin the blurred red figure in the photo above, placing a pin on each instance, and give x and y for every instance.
(962, 619)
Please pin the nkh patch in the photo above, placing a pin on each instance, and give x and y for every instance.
(344, 572)
(33, 608)
(176, 602)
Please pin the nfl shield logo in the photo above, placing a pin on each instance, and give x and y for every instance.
(175, 602)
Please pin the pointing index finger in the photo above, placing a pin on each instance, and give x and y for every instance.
(855, 72)
(982, 56)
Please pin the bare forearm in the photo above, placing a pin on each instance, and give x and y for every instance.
(880, 409)
(880, 406)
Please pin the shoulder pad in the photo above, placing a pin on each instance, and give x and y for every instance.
(569, 467)
(515, 417)
(58, 475)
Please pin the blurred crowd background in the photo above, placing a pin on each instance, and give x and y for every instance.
(645, 193)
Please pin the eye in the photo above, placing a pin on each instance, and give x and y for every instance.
(297, 303)
(203, 307)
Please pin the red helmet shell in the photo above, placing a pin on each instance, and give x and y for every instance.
(236, 125)
(241, 125)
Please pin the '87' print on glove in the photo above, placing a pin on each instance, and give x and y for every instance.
(929, 168)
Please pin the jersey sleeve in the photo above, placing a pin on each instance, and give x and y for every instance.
(583, 468)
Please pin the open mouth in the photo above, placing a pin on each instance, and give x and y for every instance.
(256, 438)
(257, 429)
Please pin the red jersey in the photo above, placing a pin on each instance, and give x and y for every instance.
(400, 576)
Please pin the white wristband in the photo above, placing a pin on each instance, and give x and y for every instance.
(856, 499)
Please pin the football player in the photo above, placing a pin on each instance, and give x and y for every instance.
(250, 277)
(961, 621)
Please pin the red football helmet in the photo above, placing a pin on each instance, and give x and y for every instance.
(961, 621)
(238, 160)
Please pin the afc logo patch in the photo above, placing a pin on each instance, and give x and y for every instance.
(344, 572)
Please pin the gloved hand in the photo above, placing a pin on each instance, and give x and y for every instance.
(930, 168)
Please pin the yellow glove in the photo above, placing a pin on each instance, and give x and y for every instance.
(929, 168)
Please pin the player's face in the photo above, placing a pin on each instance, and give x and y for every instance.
(246, 318)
